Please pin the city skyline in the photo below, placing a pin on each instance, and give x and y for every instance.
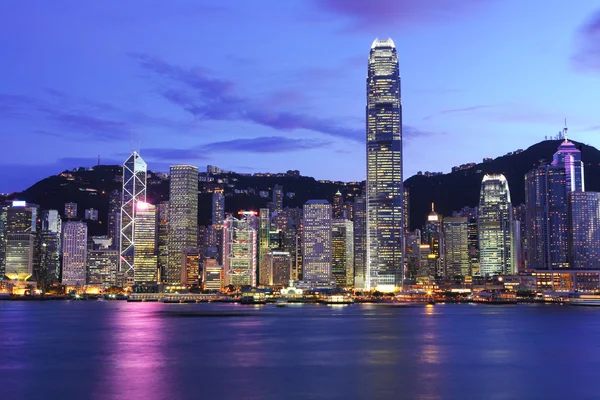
(95, 99)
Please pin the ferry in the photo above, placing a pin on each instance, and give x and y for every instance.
(253, 297)
(335, 299)
(495, 297)
(584, 300)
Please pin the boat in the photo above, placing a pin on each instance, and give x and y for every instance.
(584, 300)
(281, 303)
(495, 297)
(336, 299)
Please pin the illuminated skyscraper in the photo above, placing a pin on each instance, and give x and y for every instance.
(406, 209)
(144, 237)
(316, 241)
(584, 230)
(384, 186)
(359, 218)
(20, 240)
(114, 218)
(48, 249)
(432, 236)
(278, 198)
(279, 268)
(342, 252)
(495, 227)
(102, 267)
(218, 208)
(70, 210)
(569, 157)
(456, 246)
(74, 248)
(338, 205)
(183, 217)
(134, 192)
(240, 249)
(264, 229)
(162, 238)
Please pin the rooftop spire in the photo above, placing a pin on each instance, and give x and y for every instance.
(566, 132)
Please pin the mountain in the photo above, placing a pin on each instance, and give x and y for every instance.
(450, 192)
(90, 188)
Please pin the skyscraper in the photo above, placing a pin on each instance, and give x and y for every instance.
(384, 186)
(162, 238)
(240, 249)
(584, 230)
(338, 205)
(20, 240)
(74, 247)
(569, 157)
(456, 246)
(49, 248)
(342, 252)
(432, 236)
(114, 218)
(359, 219)
(495, 227)
(406, 209)
(264, 229)
(70, 210)
(278, 198)
(183, 217)
(144, 237)
(218, 208)
(316, 241)
(134, 192)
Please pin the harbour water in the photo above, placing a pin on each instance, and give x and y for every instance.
(120, 350)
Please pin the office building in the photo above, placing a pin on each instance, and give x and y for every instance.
(316, 241)
(433, 237)
(91, 214)
(264, 229)
(406, 209)
(213, 275)
(183, 217)
(134, 192)
(144, 238)
(74, 250)
(384, 185)
(342, 252)
(495, 217)
(278, 199)
(240, 249)
(70, 210)
(102, 267)
(218, 208)
(456, 246)
(584, 230)
(338, 205)
(114, 218)
(279, 268)
(190, 267)
(359, 219)
(20, 229)
(162, 239)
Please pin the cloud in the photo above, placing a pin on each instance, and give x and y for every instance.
(208, 98)
(411, 132)
(459, 110)
(263, 145)
(386, 14)
(587, 56)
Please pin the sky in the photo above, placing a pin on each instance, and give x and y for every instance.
(269, 85)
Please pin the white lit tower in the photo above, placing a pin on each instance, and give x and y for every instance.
(134, 193)
(384, 185)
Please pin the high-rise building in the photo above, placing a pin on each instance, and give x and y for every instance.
(456, 246)
(470, 213)
(240, 249)
(213, 275)
(190, 267)
(316, 241)
(90, 214)
(102, 267)
(3, 233)
(495, 216)
(114, 218)
(413, 253)
(342, 252)
(144, 237)
(70, 210)
(48, 249)
(134, 192)
(279, 268)
(359, 219)
(569, 157)
(183, 217)
(74, 249)
(264, 229)
(432, 236)
(406, 209)
(338, 205)
(278, 198)
(584, 230)
(218, 208)
(384, 186)
(21, 222)
(162, 239)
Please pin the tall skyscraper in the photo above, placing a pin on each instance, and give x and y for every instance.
(162, 238)
(134, 192)
(359, 219)
(584, 230)
(240, 249)
(456, 246)
(569, 157)
(495, 227)
(20, 230)
(114, 218)
(470, 213)
(278, 198)
(74, 248)
(48, 249)
(432, 236)
(338, 205)
(342, 252)
(144, 237)
(316, 241)
(183, 217)
(102, 267)
(406, 209)
(264, 229)
(218, 208)
(70, 210)
(384, 186)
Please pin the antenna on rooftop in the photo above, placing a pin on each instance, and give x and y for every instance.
(565, 131)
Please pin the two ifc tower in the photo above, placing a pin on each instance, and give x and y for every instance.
(384, 269)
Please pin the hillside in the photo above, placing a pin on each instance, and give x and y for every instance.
(454, 190)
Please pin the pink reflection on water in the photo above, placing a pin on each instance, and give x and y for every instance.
(136, 364)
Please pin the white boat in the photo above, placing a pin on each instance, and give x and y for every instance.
(584, 300)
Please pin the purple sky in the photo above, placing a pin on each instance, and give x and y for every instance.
(275, 85)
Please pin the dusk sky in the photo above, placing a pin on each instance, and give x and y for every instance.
(267, 86)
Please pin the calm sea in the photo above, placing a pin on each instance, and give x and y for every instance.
(120, 350)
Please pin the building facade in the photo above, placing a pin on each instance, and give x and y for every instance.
(74, 250)
(316, 241)
(342, 252)
(240, 253)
